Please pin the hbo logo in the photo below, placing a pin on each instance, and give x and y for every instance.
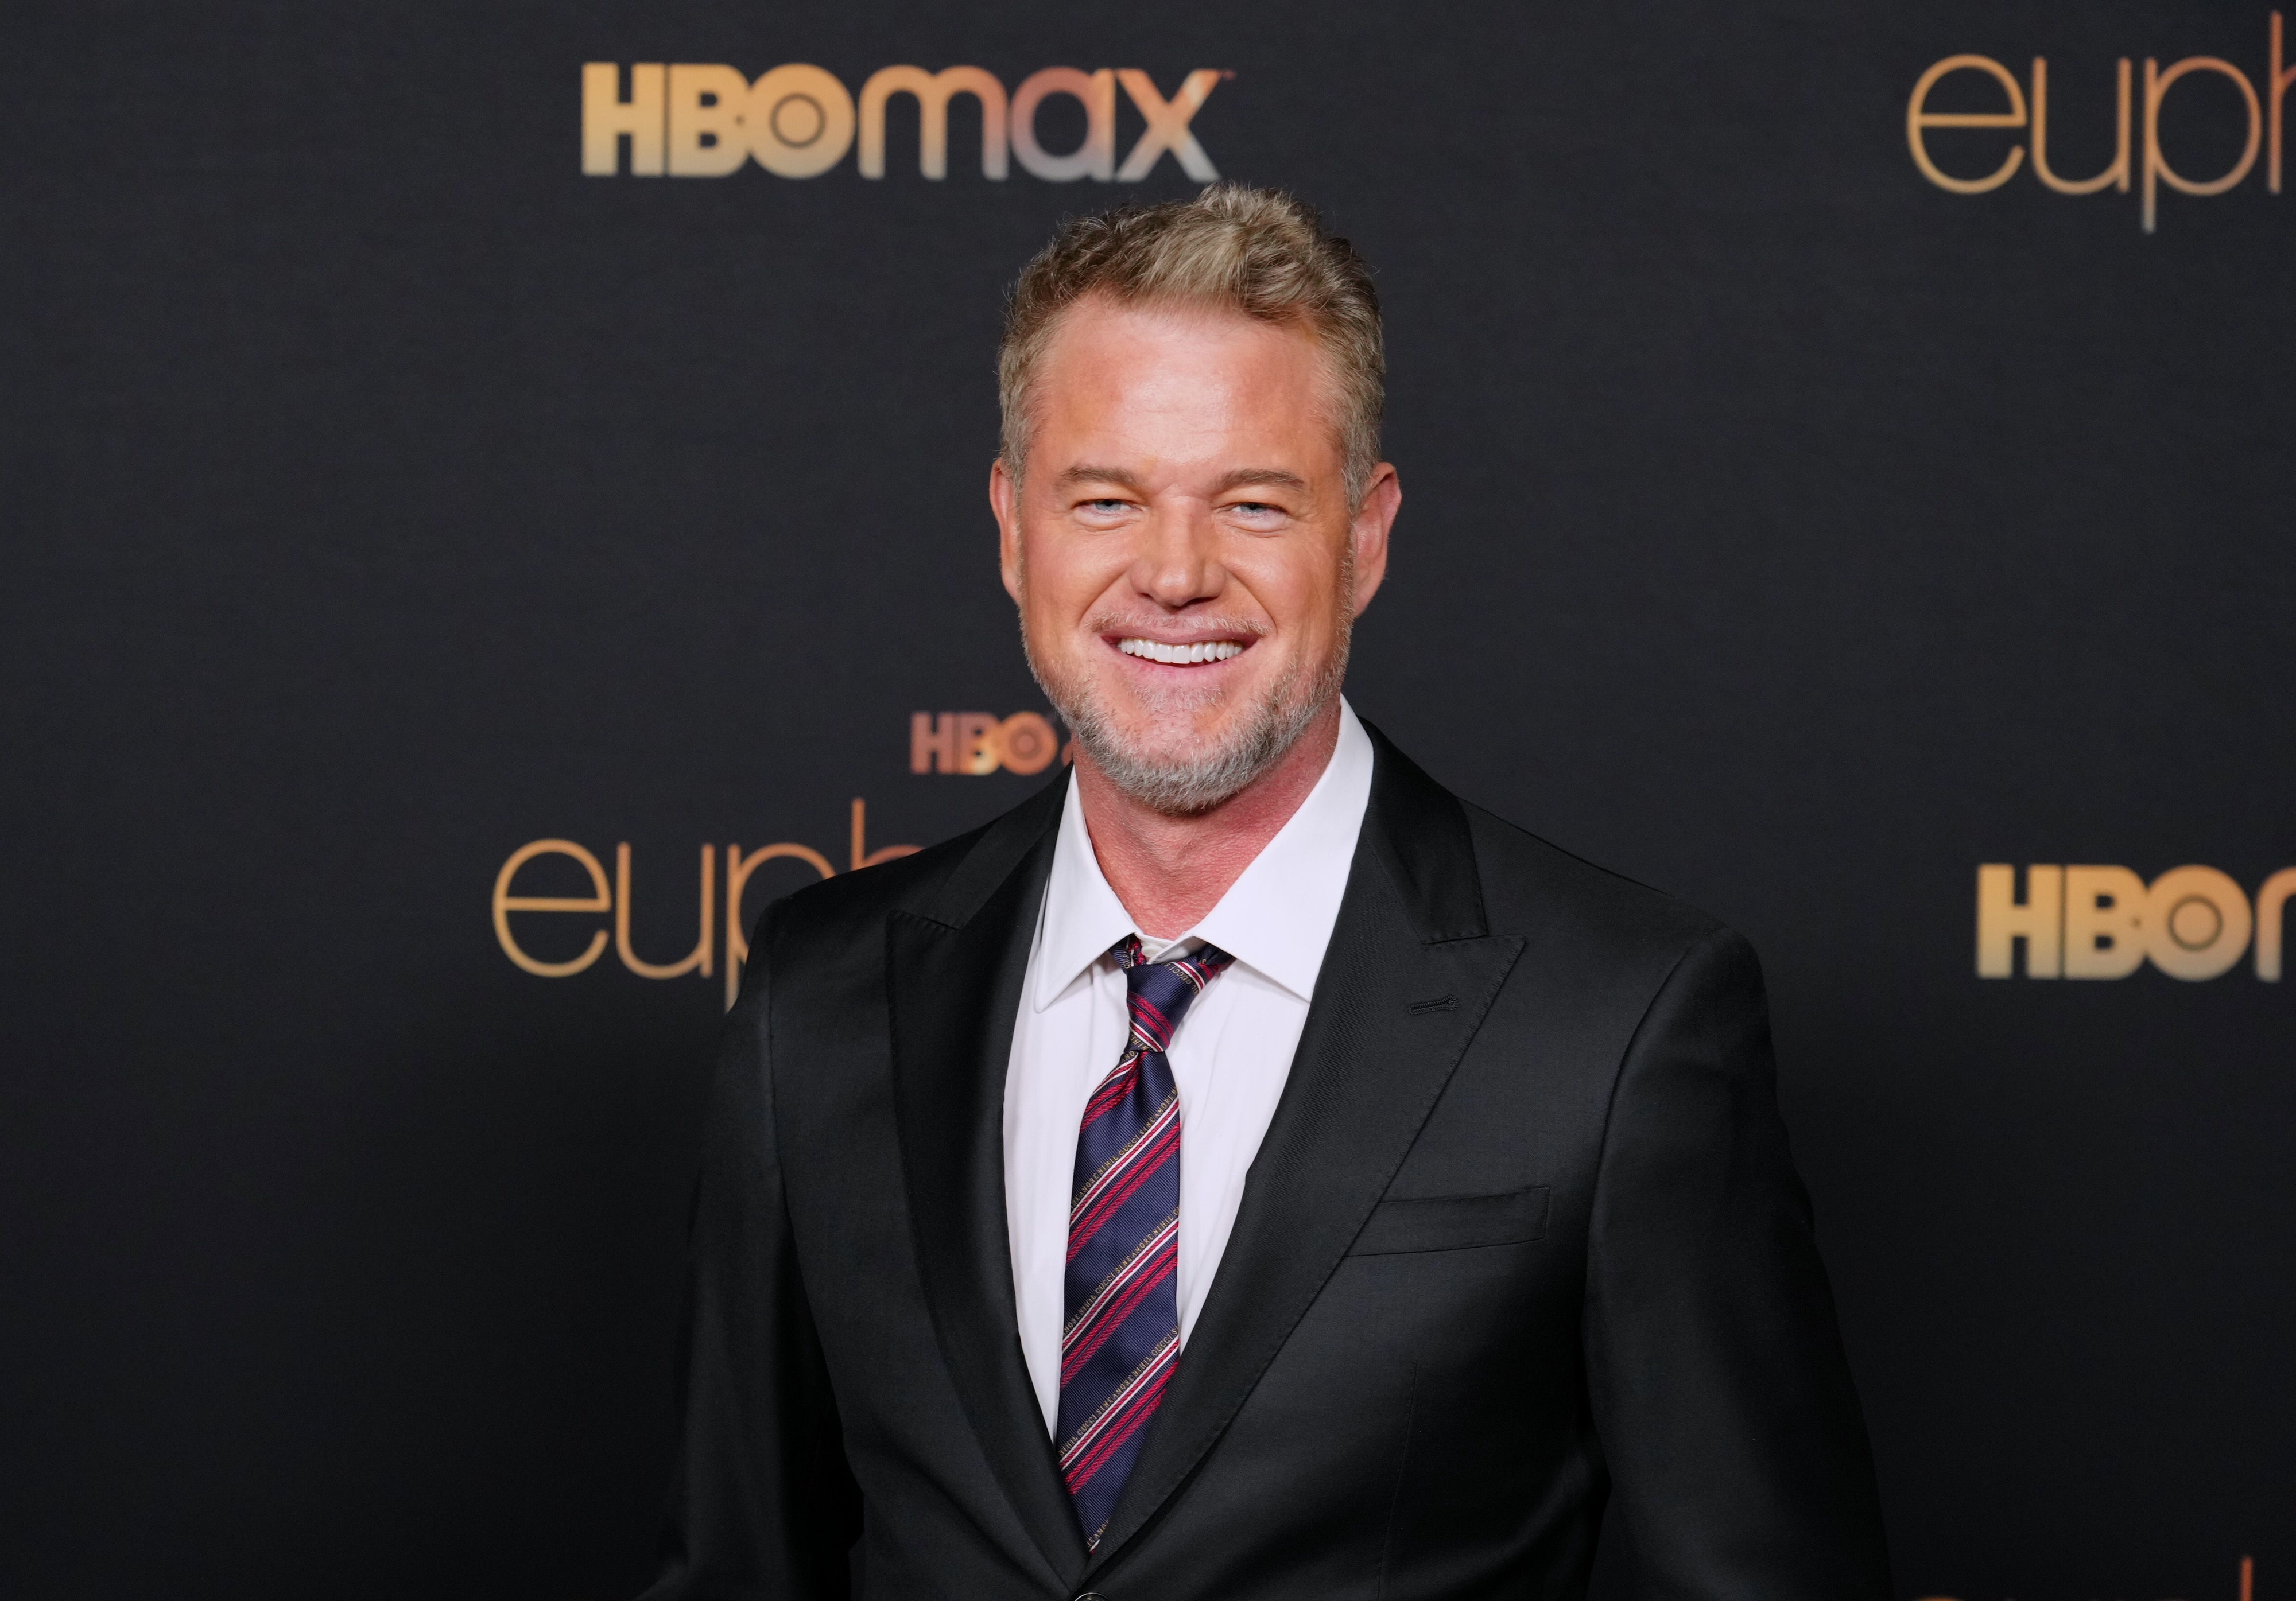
(980, 743)
(2105, 922)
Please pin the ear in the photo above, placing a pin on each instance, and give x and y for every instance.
(1369, 528)
(1004, 500)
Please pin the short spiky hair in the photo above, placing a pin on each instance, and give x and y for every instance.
(1257, 251)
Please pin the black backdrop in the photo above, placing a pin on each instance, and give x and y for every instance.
(383, 494)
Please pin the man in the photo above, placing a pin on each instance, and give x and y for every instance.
(1244, 1170)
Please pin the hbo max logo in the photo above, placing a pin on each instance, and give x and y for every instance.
(694, 121)
(2105, 922)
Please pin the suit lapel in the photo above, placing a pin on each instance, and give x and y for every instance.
(956, 968)
(1371, 1063)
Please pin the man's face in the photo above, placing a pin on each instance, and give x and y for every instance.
(1181, 547)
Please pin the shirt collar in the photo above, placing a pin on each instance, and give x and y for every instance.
(1276, 917)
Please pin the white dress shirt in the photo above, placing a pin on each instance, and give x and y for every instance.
(1230, 1057)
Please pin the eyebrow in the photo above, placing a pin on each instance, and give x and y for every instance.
(1089, 473)
(1266, 477)
(1269, 478)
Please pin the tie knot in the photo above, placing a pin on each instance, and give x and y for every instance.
(1161, 992)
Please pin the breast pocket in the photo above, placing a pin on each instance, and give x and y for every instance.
(1453, 1222)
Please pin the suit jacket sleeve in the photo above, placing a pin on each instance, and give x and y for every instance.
(1721, 1397)
(762, 1503)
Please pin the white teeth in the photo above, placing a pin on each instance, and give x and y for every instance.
(1180, 656)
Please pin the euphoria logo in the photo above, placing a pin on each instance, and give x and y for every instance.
(2138, 125)
(529, 927)
(615, 898)
(708, 120)
(2105, 922)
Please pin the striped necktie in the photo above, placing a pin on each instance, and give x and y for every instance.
(1121, 1338)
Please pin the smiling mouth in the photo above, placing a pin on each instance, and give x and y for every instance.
(1180, 656)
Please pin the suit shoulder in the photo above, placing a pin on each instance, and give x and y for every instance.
(942, 881)
(1529, 884)
(866, 894)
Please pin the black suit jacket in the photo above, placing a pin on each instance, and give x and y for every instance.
(1523, 1239)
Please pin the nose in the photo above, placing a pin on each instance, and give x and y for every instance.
(1177, 564)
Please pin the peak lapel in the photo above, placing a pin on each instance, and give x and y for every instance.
(955, 971)
(1367, 1073)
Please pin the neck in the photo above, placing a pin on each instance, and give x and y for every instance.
(1170, 871)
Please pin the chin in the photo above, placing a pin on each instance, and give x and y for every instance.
(1184, 766)
(1170, 742)
(1178, 720)
(1181, 749)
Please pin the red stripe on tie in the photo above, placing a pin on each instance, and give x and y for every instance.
(1090, 1340)
(1081, 1231)
(1082, 1453)
(1134, 1413)
(1154, 1023)
(1113, 1090)
(1121, 1163)
(1166, 1231)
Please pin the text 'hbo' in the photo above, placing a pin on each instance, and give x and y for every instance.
(2102, 921)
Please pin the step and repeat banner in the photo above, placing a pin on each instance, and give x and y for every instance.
(495, 494)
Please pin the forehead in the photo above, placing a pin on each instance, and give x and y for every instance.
(1182, 380)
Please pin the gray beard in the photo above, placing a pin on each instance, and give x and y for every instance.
(1192, 785)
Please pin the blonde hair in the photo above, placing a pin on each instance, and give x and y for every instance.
(1233, 248)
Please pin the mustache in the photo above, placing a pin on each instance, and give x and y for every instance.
(1110, 622)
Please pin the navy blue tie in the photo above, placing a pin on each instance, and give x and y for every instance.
(1122, 1337)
